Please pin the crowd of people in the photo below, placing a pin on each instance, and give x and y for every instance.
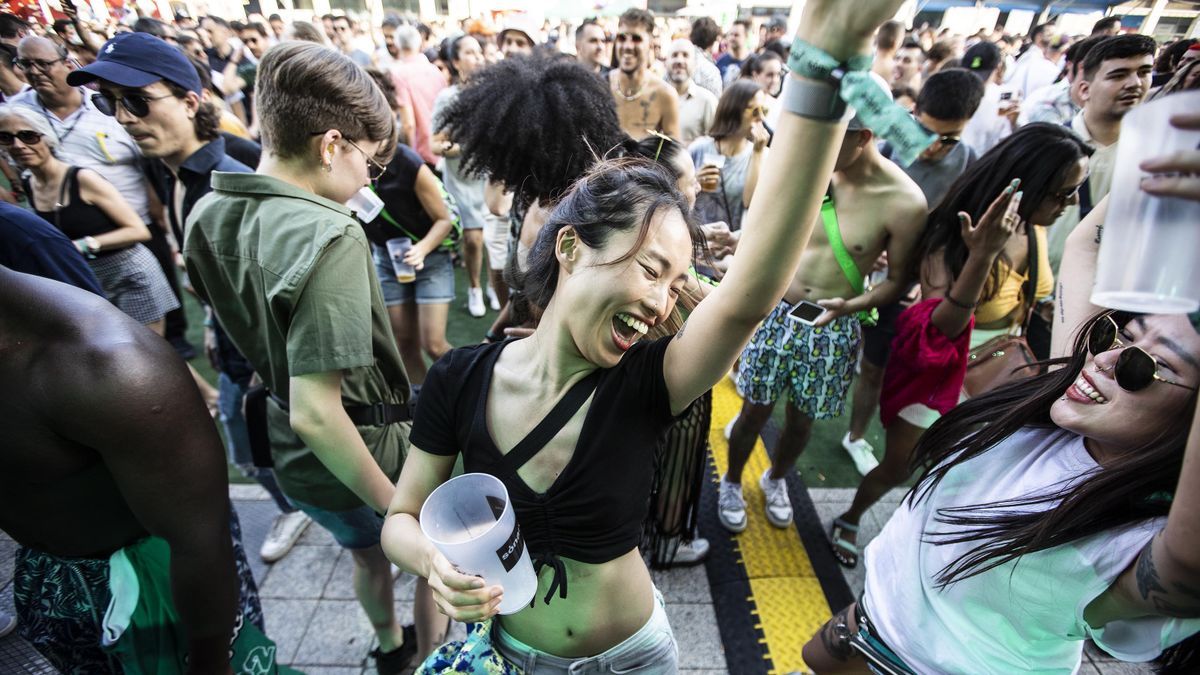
(659, 203)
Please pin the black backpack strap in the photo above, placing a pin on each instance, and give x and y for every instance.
(549, 427)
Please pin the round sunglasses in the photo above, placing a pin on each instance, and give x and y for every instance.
(137, 105)
(25, 136)
(1135, 369)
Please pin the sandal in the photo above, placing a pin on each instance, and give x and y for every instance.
(846, 552)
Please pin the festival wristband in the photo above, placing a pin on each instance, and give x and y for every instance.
(851, 81)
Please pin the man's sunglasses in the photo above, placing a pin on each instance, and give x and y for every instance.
(943, 139)
(25, 136)
(1135, 369)
(137, 105)
(635, 38)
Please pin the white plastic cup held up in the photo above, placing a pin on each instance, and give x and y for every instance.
(471, 520)
(1147, 260)
(366, 205)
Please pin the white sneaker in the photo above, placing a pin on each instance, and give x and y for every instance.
(779, 506)
(861, 452)
(729, 427)
(691, 553)
(8, 622)
(475, 302)
(285, 532)
(493, 301)
(731, 508)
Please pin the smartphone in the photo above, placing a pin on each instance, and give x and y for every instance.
(1006, 96)
(806, 312)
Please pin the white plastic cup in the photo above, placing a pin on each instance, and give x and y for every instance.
(712, 159)
(470, 519)
(365, 204)
(397, 248)
(1147, 260)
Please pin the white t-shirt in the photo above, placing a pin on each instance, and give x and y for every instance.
(1020, 617)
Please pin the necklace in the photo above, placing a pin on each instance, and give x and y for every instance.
(629, 97)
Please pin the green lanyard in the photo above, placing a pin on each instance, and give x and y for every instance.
(833, 233)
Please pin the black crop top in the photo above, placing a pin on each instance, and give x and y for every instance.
(595, 509)
(77, 219)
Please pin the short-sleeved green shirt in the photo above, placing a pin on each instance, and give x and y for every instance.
(290, 277)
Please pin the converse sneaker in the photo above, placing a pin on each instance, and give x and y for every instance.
(475, 302)
(778, 506)
(284, 534)
(493, 301)
(731, 508)
(8, 622)
(861, 452)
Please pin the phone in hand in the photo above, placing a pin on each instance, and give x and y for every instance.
(1006, 96)
(806, 312)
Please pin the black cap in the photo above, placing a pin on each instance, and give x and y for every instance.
(136, 60)
(982, 57)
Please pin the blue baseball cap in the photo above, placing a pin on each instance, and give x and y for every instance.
(136, 60)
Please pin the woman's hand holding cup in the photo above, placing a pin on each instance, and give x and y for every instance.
(709, 177)
(459, 596)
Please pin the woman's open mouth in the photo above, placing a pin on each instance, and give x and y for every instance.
(1082, 391)
(627, 330)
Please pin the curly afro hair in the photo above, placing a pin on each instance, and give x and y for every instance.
(534, 124)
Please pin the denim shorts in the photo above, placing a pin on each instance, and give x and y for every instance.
(434, 284)
(650, 651)
(353, 530)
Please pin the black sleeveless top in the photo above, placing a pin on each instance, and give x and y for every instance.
(594, 511)
(77, 219)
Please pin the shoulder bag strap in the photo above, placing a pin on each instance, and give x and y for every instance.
(549, 427)
(1031, 267)
(834, 233)
(67, 182)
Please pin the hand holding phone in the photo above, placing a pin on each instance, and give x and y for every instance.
(806, 312)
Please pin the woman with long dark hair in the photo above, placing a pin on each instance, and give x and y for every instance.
(966, 271)
(1050, 511)
(729, 158)
(607, 265)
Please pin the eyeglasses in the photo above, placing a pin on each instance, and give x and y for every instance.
(374, 168)
(635, 38)
(137, 105)
(30, 64)
(757, 111)
(1135, 369)
(946, 140)
(26, 136)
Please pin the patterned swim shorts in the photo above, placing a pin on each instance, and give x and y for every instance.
(813, 366)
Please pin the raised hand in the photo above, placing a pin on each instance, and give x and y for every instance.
(759, 135)
(841, 28)
(997, 224)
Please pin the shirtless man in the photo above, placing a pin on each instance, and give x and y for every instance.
(644, 103)
(877, 208)
(108, 446)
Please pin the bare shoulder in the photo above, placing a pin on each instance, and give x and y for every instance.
(900, 195)
(657, 86)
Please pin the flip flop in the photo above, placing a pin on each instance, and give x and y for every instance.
(846, 552)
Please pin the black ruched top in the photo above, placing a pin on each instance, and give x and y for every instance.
(595, 509)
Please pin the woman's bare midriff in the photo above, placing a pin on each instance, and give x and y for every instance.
(605, 604)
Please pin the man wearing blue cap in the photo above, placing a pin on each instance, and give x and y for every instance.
(156, 94)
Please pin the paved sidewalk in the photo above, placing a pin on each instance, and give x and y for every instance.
(320, 629)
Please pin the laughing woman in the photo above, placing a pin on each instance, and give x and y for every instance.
(1050, 511)
(607, 266)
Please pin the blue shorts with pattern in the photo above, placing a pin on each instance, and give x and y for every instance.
(812, 366)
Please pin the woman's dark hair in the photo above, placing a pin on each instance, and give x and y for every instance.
(728, 119)
(449, 50)
(661, 150)
(614, 196)
(755, 64)
(1040, 154)
(385, 84)
(1168, 58)
(533, 123)
(1131, 488)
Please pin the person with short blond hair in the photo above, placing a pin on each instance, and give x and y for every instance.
(288, 271)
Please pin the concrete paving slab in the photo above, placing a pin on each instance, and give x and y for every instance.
(681, 585)
(339, 634)
(287, 620)
(695, 626)
(303, 573)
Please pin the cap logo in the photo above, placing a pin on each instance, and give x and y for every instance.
(110, 49)
(977, 61)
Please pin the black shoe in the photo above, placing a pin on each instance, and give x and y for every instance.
(185, 349)
(396, 661)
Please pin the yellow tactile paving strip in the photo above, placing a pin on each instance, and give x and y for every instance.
(790, 603)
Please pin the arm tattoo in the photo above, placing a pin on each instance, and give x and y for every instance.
(1168, 598)
(1099, 232)
(682, 328)
(835, 636)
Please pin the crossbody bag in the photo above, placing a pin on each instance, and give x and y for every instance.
(833, 232)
